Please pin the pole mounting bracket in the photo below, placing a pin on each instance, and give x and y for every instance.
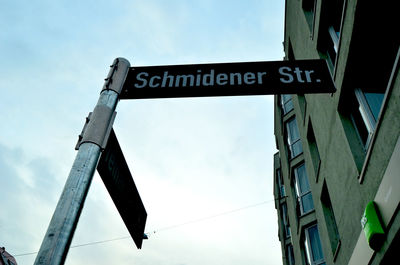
(97, 127)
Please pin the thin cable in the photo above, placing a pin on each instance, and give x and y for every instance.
(81, 245)
(211, 216)
(161, 229)
(25, 254)
(100, 242)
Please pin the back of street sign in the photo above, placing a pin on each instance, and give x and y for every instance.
(118, 180)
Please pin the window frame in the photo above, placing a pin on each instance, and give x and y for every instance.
(286, 99)
(299, 194)
(330, 31)
(314, 150)
(285, 221)
(308, 246)
(290, 140)
(335, 35)
(309, 8)
(367, 117)
(281, 186)
(330, 221)
(290, 254)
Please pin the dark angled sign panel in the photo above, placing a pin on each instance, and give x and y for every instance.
(228, 79)
(118, 180)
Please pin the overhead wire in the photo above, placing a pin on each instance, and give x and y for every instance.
(211, 216)
(163, 228)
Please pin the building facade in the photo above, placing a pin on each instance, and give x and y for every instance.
(339, 152)
(6, 258)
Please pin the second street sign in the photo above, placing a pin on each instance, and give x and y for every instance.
(118, 180)
(228, 79)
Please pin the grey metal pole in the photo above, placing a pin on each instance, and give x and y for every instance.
(60, 231)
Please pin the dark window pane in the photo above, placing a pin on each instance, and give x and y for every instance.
(307, 202)
(375, 103)
(315, 243)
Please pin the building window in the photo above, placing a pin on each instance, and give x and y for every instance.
(281, 186)
(331, 18)
(303, 105)
(331, 46)
(290, 53)
(303, 192)
(293, 138)
(290, 254)
(286, 103)
(285, 220)
(312, 143)
(309, 13)
(364, 114)
(312, 246)
(330, 220)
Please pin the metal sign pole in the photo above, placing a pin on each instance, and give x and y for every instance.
(93, 139)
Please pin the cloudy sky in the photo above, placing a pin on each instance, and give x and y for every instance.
(203, 166)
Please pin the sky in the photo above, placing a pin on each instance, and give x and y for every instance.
(203, 166)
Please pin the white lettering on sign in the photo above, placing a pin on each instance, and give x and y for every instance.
(287, 75)
(222, 79)
(139, 78)
(152, 80)
(112, 166)
(301, 76)
(199, 79)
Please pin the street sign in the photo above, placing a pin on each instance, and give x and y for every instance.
(124, 82)
(228, 79)
(118, 180)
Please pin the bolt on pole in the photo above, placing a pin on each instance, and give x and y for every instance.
(57, 240)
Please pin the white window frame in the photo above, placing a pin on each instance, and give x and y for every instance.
(290, 254)
(292, 142)
(285, 99)
(334, 37)
(299, 193)
(308, 247)
(281, 186)
(366, 115)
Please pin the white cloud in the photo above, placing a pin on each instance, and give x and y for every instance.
(28, 197)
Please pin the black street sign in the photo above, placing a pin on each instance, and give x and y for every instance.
(118, 180)
(228, 79)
